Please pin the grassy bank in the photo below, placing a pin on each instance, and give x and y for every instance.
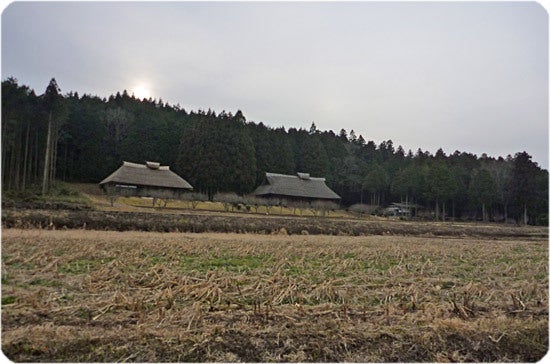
(193, 221)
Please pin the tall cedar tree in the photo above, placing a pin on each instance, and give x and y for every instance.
(482, 191)
(54, 107)
(523, 185)
(217, 155)
(441, 186)
(21, 132)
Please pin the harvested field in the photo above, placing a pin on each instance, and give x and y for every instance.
(80, 295)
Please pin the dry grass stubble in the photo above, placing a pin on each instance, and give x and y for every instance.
(135, 296)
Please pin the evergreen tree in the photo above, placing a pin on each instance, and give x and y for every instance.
(312, 157)
(407, 183)
(523, 185)
(217, 155)
(90, 136)
(313, 129)
(87, 152)
(441, 186)
(54, 106)
(376, 182)
(343, 135)
(21, 126)
(482, 190)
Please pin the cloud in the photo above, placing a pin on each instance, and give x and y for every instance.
(467, 76)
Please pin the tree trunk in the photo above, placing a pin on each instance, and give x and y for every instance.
(30, 163)
(17, 167)
(505, 213)
(436, 210)
(483, 212)
(53, 165)
(454, 215)
(36, 173)
(47, 157)
(26, 158)
(4, 163)
(11, 168)
(525, 218)
(64, 174)
(71, 166)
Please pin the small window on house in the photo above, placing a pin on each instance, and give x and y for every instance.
(126, 186)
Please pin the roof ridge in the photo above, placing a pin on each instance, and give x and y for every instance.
(270, 174)
(139, 174)
(134, 165)
(138, 165)
(293, 185)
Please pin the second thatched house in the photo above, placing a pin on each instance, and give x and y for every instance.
(300, 187)
(145, 180)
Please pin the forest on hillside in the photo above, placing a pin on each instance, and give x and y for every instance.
(75, 138)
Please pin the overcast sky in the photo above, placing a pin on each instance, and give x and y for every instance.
(466, 76)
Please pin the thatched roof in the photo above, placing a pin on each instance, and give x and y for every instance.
(298, 186)
(151, 174)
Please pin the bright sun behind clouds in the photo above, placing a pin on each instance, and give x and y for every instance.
(141, 91)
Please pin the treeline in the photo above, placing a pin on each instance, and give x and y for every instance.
(85, 138)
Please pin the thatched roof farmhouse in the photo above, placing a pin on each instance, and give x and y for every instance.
(145, 180)
(297, 187)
